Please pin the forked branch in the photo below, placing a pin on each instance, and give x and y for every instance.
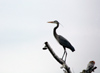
(62, 62)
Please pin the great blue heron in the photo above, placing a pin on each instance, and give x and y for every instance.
(62, 41)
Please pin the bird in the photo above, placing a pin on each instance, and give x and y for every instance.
(61, 40)
(90, 65)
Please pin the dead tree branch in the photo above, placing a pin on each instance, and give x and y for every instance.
(62, 62)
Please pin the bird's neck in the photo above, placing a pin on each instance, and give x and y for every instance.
(54, 31)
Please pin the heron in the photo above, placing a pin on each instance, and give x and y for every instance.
(61, 40)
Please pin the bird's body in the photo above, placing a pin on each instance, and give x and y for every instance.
(65, 43)
(62, 41)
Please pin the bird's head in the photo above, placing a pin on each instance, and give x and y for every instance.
(92, 62)
(55, 22)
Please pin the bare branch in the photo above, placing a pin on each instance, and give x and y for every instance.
(62, 62)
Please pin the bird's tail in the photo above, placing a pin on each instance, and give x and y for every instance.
(72, 49)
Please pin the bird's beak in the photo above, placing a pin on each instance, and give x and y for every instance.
(50, 22)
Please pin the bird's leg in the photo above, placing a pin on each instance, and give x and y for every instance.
(63, 54)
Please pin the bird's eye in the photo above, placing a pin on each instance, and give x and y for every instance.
(55, 21)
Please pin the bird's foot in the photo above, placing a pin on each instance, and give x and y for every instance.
(61, 58)
(63, 66)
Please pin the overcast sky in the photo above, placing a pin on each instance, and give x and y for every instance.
(24, 29)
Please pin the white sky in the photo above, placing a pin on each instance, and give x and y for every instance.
(24, 29)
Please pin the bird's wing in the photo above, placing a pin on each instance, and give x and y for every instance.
(63, 41)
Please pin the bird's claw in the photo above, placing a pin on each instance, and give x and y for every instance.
(61, 58)
(63, 66)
